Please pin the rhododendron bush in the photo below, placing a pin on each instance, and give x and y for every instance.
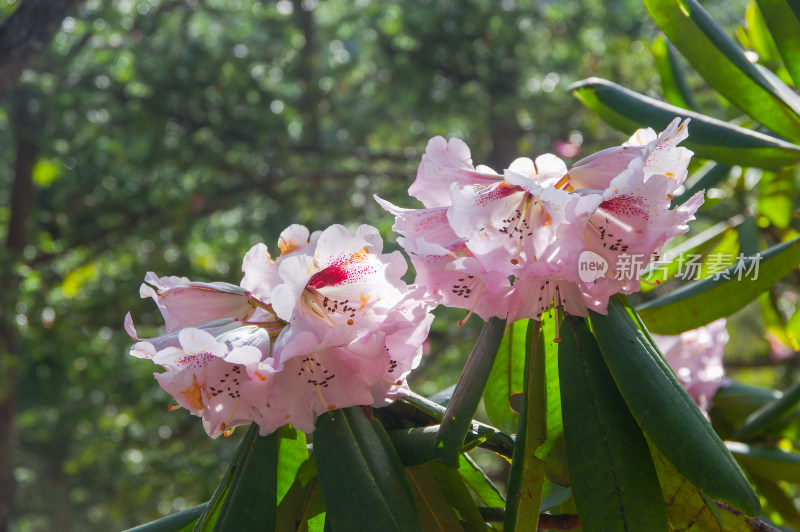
(601, 424)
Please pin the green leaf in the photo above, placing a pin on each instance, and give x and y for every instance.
(776, 191)
(758, 36)
(773, 321)
(673, 79)
(480, 484)
(446, 494)
(665, 412)
(435, 512)
(702, 302)
(250, 502)
(749, 236)
(302, 508)
(552, 450)
(251, 479)
(707, 177)
(735, 401)
(687, 508)
(784, 24)
(293, 451)
(526, 479)
(172, 523)
(709, 138)
(675, 258)
(768, 415)
(505, 380)
(718, 59)
(554, 495)
(793, 329)
(362, 479)
(614, 482)
(777, 500)
(461, 409)
(722, 255)
(767, 462)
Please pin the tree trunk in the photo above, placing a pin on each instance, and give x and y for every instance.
(22, 196)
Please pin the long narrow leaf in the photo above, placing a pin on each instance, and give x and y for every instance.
(673, 79)
(362, 479)
(777, 500)
(526, 479)
(709, 138)
(776, 191)
(783, 22)
(687, 508)
(704, 301)
(615, 486)
(461, 409)
(770, 414)
(302, 509)
(208, 519)
(435, 512)
(505, 380)
(171, 523)
(707, 177)
(293, 452)
(725, 67)
(480, 484)
(768, 462)
(251, 501)
(666, 413)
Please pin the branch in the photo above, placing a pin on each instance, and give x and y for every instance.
(26, 33)
(756, 524)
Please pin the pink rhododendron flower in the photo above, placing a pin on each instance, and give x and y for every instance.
(656, 154)
(184, 303)
(445, 265)
(446, 162)
(516, 239)
(205, 376)
(346, 280)
(327, 324)
(261, 270)
(696, 359)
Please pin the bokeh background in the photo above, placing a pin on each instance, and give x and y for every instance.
(172, 135)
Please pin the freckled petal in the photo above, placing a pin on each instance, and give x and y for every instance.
(430, 225)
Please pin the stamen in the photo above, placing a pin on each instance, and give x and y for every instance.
(309, 364)
(472, 308)
(171, 408)
(230, 418)
(228, 432)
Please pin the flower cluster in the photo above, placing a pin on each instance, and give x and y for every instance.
(696, 358)
(509, 245)
(328, 324)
